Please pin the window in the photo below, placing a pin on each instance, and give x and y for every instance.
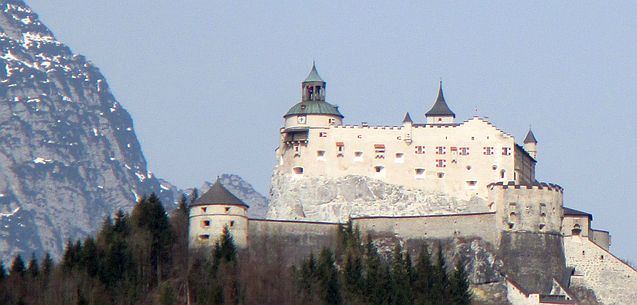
(472, 184)
(227, 209)
(441, 175)
(204, 236)
(232, 223)
(541, 226)
(441, 150)
(488, 150)
(323, 134)
(454, 150)
(340, 147)
(502, 174)
(320, 155)
(205, 223)
(506, 151)
(441, 163)
(379, 149)
(379, 170)
(420, 173)
(468, 167)
(400, 157)
(332, 121)
(420, 150)
(298, 170)
(203, 210)
(464, 151)
(301, 119)
(358, 156)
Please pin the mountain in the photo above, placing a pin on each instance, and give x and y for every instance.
(244, 191)
(69, 155)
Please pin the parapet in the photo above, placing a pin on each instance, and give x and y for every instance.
(535, 186)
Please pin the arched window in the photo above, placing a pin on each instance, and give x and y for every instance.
(577, 230)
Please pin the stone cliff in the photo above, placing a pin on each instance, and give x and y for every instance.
(69, 153)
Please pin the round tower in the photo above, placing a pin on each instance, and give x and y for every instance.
(312, 110)
(212, 212)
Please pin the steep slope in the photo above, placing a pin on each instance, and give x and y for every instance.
(69, 154)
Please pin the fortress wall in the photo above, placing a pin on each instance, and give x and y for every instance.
(601, 238)
(432, 227)
(295, 238)
(613, 281)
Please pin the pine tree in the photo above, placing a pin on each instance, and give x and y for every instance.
(88, 259)
(440, 289)
(17, 267)
(400, 282)
(3, 272)
(328, 278)
(423, 278)
(33, 268)
(461, 292)
(47, 265)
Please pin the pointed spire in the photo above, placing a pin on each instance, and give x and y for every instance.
(313, 76)
(530, 137)
(219, 194)
(407, 118)
(440, 107)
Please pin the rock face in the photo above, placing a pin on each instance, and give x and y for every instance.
(337, 199)
(69, 153)
(244, 191)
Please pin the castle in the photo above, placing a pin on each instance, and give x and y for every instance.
(422, 181)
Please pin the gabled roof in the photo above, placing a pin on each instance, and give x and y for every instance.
(218, 194)
(530, 137)
(313, 76)
(407, 118)
(440, 107)
(573, 212)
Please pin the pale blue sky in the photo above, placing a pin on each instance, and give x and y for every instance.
(207, 81)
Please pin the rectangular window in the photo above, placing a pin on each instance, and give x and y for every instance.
(332, 121)
(400, 158)
(420, 173)
(203, 210)
(488, 150)
(441, 150)
(506, 151)
(454, 150)
(464, 151)
(358, 156)
(320, 155)
(340, 147)
(420, 150)
(441, 163)
(204, 236)
(380, 151)
(205, 223)
(323, 134)
(227, 209)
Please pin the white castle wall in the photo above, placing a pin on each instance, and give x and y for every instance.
(614, 282)
(453, 159)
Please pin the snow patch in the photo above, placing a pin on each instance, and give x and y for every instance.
(10, 214)
(41, 160)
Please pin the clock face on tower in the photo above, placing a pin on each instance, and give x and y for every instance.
(301, 119)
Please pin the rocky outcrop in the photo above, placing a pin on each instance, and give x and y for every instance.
(69, 153)
(338, 199)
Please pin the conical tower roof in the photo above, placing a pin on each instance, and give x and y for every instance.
(313, 76)
(407, 118)
(218, 194)
(440, 107)
(530, 137)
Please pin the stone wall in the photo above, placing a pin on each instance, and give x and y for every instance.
(614, 282)
(433, 227)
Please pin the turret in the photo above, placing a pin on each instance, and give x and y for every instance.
(212, 212)
(407, 129)
(440, 112)
(313, 110)
(530, 144)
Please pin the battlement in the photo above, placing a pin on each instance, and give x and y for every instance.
(535, 186)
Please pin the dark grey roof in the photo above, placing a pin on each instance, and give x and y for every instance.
(440, 107)
(313, 107)
(573, 212)
(407, 118)
(530, 137)
(218, 194)
(313, 76)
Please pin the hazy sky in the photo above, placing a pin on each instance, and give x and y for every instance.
(207, 82)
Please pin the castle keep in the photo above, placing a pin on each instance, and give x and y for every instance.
(417, 182)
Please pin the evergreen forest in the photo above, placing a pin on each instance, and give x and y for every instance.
(143, 258)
